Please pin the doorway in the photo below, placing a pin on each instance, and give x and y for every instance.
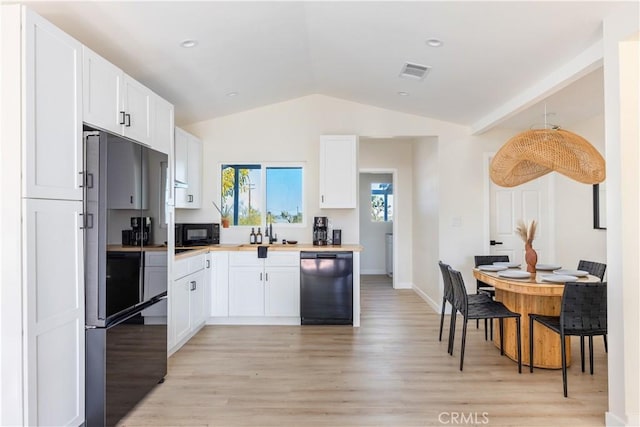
(377, 206)
(506, 206)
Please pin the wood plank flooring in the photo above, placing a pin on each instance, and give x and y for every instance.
(392, 371)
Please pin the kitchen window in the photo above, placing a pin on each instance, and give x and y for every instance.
(260, 194)
(381, 202)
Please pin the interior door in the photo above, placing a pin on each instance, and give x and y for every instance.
(529, 201)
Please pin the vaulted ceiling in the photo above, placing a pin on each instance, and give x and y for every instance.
(251, 54)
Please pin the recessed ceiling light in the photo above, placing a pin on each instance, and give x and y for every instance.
(232, 94)
(434, 42)
(189, 44)
(402, 93)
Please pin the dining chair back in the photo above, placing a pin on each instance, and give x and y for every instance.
(486, 310)
(482, 287)
(595, 269)
(583, 313)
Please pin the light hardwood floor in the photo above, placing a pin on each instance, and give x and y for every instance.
(392, 371)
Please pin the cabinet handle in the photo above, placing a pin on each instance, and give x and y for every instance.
(128, 120)
(190, 198)
(131, 199)
(266, 277)
(208, 264)
(82, 221)
(322, 199)
(121, 118)
(261, 277)
(194, 285)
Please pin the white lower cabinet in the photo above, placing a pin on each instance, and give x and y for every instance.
(264, 287)
(219, 284)
(187, 300)
(54, 312)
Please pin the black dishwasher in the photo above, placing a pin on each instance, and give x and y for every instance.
(326, 288)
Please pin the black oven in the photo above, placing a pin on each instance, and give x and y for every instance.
(197, 234)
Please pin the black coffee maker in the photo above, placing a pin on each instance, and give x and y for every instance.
(320, 231)
(140, 233)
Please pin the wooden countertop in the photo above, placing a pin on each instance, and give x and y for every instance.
(196, 250)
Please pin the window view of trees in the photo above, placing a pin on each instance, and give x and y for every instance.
(381, 202)
(242, 194)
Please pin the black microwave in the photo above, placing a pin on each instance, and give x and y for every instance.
(197, 234)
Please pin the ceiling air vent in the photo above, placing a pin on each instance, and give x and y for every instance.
(414, 71)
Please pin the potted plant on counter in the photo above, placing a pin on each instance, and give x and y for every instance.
(225, 214)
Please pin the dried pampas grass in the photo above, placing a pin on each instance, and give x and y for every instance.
(527, 234)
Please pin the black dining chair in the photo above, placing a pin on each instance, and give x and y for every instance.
(595, 269)
(482, 287)
(488, 310)
(583, 313)
(447, 297)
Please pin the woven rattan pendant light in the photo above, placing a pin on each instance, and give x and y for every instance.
(536, 152)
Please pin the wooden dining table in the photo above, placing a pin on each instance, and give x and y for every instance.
(524, 296)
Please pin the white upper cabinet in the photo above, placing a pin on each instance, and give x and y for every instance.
(137, 111)
(53, 107)
(115, 102)
(338, 171)
(102, 83)
(162, 125)
(188, 170)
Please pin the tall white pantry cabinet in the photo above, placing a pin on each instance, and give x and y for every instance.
(41, 153)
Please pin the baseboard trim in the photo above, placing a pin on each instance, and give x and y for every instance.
(404, 285)
(433, 304)
(253, 321)
(611, 420)
(373, 271)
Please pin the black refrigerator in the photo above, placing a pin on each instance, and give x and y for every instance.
(126, 350)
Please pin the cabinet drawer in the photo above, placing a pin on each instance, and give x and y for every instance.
(282, 259)
(249, 259)
(155, 259)
(196, 263)
(180, 268)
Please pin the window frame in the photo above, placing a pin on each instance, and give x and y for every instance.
(385, 194)
(263, 196)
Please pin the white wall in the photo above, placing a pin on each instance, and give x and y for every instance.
(372, 234)
(290, 131)
(576, 238)
(621, 46)
(426, 221)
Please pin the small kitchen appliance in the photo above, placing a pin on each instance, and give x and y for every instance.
(197, 234)
(337, 237)
(320, 233)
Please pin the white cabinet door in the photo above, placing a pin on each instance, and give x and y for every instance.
(101, 92)
(53, 112)
(219, 289)
(188, 167)
(127, 171)
(54, 312)
(198, 297)
(338, 171)
(137, 107)
(162, 119)
(246, 291)
(180, 322)
(282, 291)
(195, 173)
